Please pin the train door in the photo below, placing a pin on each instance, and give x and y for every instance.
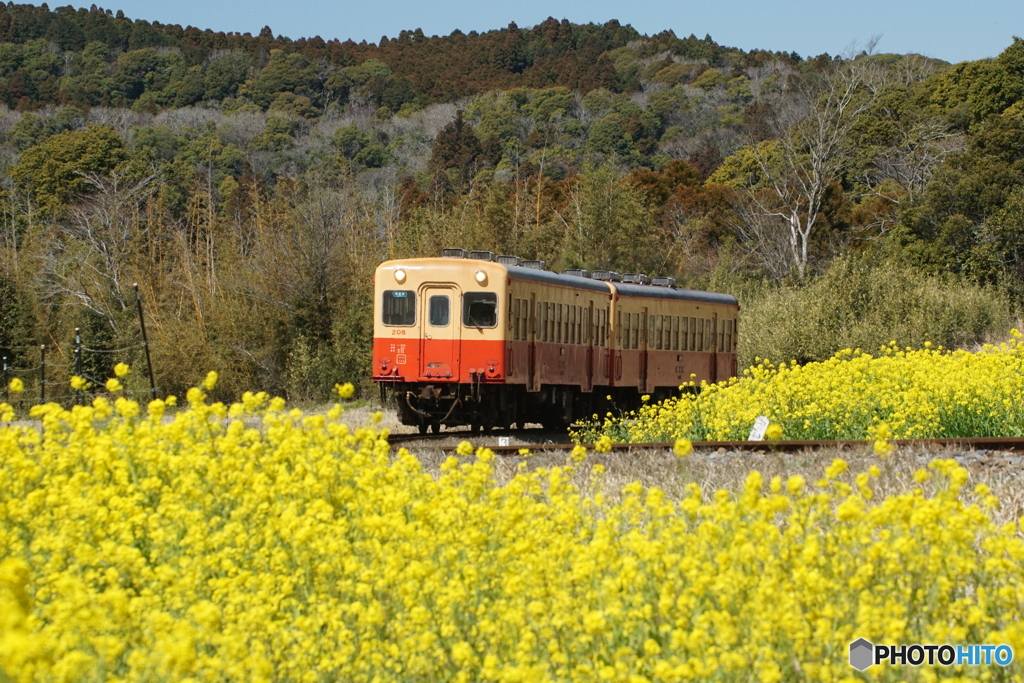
(442, 331)
(531, 352)
(715, 347)
(588, 339)
(643, 351)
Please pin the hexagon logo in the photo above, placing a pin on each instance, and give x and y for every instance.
(862, 654)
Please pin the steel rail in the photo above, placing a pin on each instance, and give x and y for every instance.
(994, 443)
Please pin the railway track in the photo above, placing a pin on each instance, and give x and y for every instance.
(1005, 452)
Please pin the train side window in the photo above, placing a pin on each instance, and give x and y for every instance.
(684, 334)
(636, 331)
(515, 318)
(675, 333)
(572, 325)
(721, 335)
(728, 336)
(709, 335)
(440, 312)
(699, 346)
(651, 331)
(399, 307)
(735, 334)
(659, 330)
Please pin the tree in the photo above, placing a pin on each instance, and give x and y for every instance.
(454, 157)
(88, 260)
(58, 168)
(811, 152)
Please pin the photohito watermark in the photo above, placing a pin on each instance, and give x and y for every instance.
(865, 654)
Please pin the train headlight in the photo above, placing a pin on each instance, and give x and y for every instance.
(399, 276)
(481, 277)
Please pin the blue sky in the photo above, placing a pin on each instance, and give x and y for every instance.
(953, 30)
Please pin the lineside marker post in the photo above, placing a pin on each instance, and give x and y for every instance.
(145, 343)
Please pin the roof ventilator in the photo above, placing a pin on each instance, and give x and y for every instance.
(575, 272)
(664, 282)
(508, 260)
(453, 253)
(608, 275)
(536, 265)
(635, 278)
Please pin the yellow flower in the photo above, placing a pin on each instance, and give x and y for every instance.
(603, 445)
(464, 448)
(211, 380)
(683, 447)
(122, 369)
(79, 383)
(344, 390)
(773, 432)
(16, 385)
(114, 385)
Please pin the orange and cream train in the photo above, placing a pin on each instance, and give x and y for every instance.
(470, 339)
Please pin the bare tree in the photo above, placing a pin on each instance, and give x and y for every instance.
(811, 151)
(765, 236)
(87, 261)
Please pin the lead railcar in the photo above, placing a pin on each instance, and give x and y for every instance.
(470, 339)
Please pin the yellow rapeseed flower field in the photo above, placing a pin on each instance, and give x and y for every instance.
(929, 392)
(256, 543)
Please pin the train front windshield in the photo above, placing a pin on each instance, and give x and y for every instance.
(480, 309)
(399, 307)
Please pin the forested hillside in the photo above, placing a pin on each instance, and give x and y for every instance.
(250, 184)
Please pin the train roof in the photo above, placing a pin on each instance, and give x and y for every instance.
(655, 292)
(577, 282)
(623, 289)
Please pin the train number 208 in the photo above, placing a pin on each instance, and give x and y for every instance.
(397, 333)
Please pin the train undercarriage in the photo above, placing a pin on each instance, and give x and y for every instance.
(484, 407)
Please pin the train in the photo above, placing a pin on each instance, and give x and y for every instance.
(485, 341)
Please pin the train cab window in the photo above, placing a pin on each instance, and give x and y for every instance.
(399, 307)
(440, 311)
(480, 309)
